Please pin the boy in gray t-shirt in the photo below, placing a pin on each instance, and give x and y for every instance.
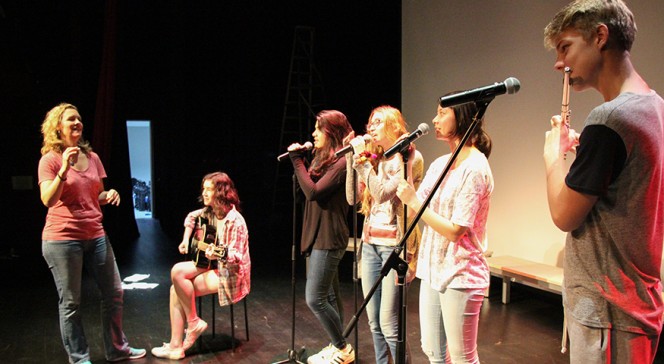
(611, 200)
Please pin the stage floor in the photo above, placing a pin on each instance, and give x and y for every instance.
(528, 330)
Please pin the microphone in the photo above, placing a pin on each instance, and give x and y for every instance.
(509, 86)
(306, 146)
(400, 145)
(349, 148)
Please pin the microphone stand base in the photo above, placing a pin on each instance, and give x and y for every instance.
(293, 356)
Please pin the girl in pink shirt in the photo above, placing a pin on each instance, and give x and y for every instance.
(451, 261)
(71, 186)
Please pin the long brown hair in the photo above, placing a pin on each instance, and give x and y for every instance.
(225, 194)
(335, 126)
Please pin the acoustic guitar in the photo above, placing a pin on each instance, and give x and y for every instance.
(204, 235)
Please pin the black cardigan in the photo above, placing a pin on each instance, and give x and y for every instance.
(324, 223)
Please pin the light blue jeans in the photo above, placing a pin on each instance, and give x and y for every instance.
(66, 260)
(383, 307)
(322, 292)
(448, 322)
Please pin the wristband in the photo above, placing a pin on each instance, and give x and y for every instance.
(61, 178)
(367, 156)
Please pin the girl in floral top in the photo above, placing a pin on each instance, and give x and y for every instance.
(451, 262)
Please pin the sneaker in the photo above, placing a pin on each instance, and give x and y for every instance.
(192, 334)
(343, 356)
(322, 355)
(165, 351)
(131, 355)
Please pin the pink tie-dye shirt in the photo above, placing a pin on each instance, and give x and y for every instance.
(462, 198)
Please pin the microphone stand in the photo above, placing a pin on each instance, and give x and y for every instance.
(398, 264)
(356, 278)
(401, 277)
(292, 355)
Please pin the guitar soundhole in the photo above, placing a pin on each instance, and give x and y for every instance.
(204, 234)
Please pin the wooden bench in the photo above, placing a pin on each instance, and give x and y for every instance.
(538, 275)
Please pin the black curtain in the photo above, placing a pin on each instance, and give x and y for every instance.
(109, 138)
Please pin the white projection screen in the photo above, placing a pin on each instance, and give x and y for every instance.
(450, 45)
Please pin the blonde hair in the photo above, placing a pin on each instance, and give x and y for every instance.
(51, 134)
(585, 15)
(395, 127)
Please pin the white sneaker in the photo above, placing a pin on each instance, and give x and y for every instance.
(191, 334)
(322, 355)
(167, 352)
(343, 356)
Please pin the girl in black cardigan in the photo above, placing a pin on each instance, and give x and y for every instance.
(324, 228)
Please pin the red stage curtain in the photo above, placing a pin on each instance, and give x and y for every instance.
(109, 138)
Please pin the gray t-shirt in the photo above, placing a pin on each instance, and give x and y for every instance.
(612, 261)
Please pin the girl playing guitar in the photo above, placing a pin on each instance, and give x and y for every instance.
(230, 278)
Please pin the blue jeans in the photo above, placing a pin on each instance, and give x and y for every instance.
(66, 260)
(383, 307)
(322, 290)
(449, 322)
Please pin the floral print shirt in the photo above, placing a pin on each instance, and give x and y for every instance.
(462, 198)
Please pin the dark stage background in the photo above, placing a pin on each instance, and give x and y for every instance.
(212, 78)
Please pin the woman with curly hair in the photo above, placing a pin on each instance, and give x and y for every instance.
(71, 186)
